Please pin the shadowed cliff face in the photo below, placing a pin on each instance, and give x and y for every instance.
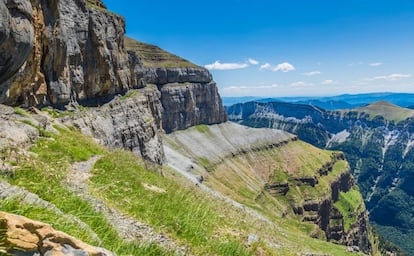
(76, 53)
(16, 36)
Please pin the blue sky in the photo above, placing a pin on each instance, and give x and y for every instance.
(284, 48)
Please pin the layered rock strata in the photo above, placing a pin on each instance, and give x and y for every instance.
(132, 122)
(58, 52)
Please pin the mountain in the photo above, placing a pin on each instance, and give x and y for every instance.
(126, 147)
(377, 142)
(345, 101)
(329, 104)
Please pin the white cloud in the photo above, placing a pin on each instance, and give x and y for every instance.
(328, 82)
(284, 67)
(376, 64)
(253, 61)
(392, 77)
(312, 73)
(265, 66)
(226, 66)
(301, 84)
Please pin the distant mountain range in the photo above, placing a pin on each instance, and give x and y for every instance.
(344, 101)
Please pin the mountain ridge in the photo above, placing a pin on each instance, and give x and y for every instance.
(343, 101)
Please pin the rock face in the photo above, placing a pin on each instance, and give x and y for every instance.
(16, 36)
(132, 122)
(74, 51)
(57, 52)
(189, 104)
(326, 215)
(189, 95)
(22, 236)
(77, 53)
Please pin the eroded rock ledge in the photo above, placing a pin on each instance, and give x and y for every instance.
(24, 236)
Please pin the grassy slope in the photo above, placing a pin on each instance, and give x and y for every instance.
(389, 111)
(242, 178)
(153, 56)
(191, 217)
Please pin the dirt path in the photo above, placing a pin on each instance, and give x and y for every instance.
(127, 227)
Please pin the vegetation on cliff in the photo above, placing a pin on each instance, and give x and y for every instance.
(155, 57)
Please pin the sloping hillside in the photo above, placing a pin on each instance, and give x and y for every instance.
(117, 201)
(303, 189)
(378, 143)
(386, 110)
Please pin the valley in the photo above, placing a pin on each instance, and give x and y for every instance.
(377, 142)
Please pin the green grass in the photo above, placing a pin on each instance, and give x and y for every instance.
(129, 94)
(350, 204)
(22, 112)
(388, 111)
(55, 113)
(43, 175)
(202, 128)
(153, 56)
(183, 211)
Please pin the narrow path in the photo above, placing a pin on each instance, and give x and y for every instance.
(127, 227)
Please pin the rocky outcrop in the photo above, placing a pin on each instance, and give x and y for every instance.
(74, 51)
(22, 236)
(190, 104)
(328, 217)
(77, 53)
(161, 75)
(132, 122)
(189, 95)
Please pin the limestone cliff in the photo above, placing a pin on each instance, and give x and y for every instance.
(74, 51)
(189, 95)
(56, 52)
